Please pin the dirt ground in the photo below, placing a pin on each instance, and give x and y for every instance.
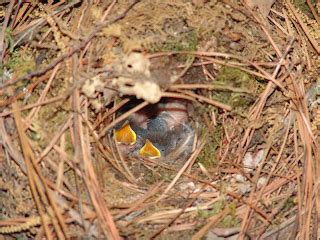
(72, 72)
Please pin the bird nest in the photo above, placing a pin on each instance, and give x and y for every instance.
(159, 119)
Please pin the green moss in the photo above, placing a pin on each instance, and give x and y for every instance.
(215, 208)
(69, 148)
(289, 204)
(303, 7)
(230, 220)
(34, 135)
(150, 178)
(241, 88)
(234, 75)
(47, 123)
(20, 64)
(167, 176)
(207, 155)
(9, 39)
(185, 42)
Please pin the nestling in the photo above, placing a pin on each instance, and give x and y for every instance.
(160, 131)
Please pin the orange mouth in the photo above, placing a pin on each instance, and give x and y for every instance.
(149, 151)
(125, 135)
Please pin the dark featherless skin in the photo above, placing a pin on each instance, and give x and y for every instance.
(162, 131)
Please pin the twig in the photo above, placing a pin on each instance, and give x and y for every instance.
(37, 183)
(187, 205)
(231, 194)
(192, 157)
(314, 13)
(304, 27)
(17, 8)
(4, 28)
(72, 51)
(152, 191)
(10, 147)
(211, 221)
(55, 139)
(209, 87)
(45, 102)
(258, 109)
(208, 100)
(122, 117)
(253, 198)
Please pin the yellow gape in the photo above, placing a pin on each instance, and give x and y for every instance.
(125, 135)
(149, 151)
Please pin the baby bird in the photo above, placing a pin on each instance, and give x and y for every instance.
(161, 131)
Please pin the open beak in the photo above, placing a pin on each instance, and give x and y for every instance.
(157, 132)
(149, 151)
(125, 135)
